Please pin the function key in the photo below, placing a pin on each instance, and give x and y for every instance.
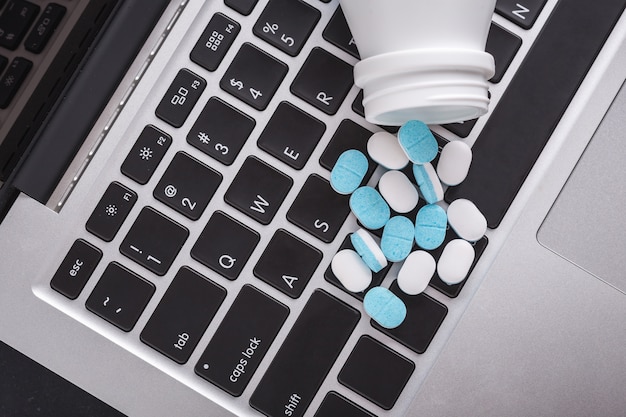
(180, 97)
(336, 405)
(214, 42)
(253, 76)
(146, 154)
(44, 28)
(521, 12)
(111, 211)
(286, 24)
(502, 45)
(15, 21)
(13, 79)
(323, 81)
(242, 6)
(338, 33)
(76, 268)
(220, 131)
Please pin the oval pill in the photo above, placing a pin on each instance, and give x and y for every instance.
(416, 272)
(466, 220)
(398, 191)
(351, 271)
(454, 162)
(349, 171)
(455, 261)
(418, 142)
(384, 149)
(369, 207)
(368, 250)
(398, 237)
(428, 182)
(384, 307)
(430, 226)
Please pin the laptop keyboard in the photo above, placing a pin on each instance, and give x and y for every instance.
(247, 232)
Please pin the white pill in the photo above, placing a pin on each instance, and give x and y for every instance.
(454, 162)
(351, 271)
(416, 271)
(455, 261)
(466, 220)
(398, 191)
(384, 149)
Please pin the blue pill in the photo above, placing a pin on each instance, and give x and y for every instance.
(430, 226)
(418, 142)
(384, 307)
(369, 207)
(365, 245)
(349, 171)
(428, 182)
(397, 240)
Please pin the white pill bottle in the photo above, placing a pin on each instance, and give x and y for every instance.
(421, 59)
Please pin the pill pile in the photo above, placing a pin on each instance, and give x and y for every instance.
(396, 193)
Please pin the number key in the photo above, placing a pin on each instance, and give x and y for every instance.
(180, 98)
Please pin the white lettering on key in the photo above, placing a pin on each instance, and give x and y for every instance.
(182, 341)
(318, 224)
(260, 204)
(227, 261)
(324, 98)
(291, 405)
(291, 153)
(240, 367)
(520, 12)
(289, 280)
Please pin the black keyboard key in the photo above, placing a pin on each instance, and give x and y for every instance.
(120, 296)
(15, 22)
(220, 131)
(242, 6)
(502, 45)
(44, 28)
(242, 340)
(286, 24)
(225, 245)
(318, 209)
(521, 12)
(288, 263)
(376, 372)
(187, 185)
(335, 405)
(77, 266)
(146, 153)
(258, 190)
(338, 33)
(323, 81)
(3, 62)
(12, 80)
(253, 76)
(291, 135)
(307, 354)
(111, 211)
(153, 241)
(183, 314)
(349, 135)
(214, 42)
(180, 98)
(532, 106)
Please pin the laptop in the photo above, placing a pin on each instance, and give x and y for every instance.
(168, 228)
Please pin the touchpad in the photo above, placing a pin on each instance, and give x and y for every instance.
(587, 223)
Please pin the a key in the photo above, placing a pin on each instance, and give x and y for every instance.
(319, 209)
(180, 97)
(286, 24)
(502, 45)
(376, 372)
(288, 263)
(12, 80)
(146, 154)
(44, 28)
(153, 241)
(225, 245)
(76, 268)
(323, 81)
(220, 131)
(305, 357)
(15, 22)
(242, 6)
(215, 41)
(521, 12)
(349, 135)
(111, 211)
(241, 341)
(291, 135)
(338, 33)
(187, 185)
(253, 76)
(120, 296)
(183, 314)
(258, 190)
(335, 405)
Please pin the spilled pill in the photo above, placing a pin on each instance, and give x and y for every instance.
(368, 250)
(384, 149)
(466, 220)
(398, 191)
(369, 207)
(454, 162)
(351, 271)
(416, 272)
(397, 240)
(428, 182)
(349, 171)
(418, 142)
(455, 261)
(430, 226)
(384, 307)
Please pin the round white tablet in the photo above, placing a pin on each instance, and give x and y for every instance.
(351, 271)
(455, 261)
(466, 220)
(398, 191)
(454, 162)
(416, 271)
(384, 149)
